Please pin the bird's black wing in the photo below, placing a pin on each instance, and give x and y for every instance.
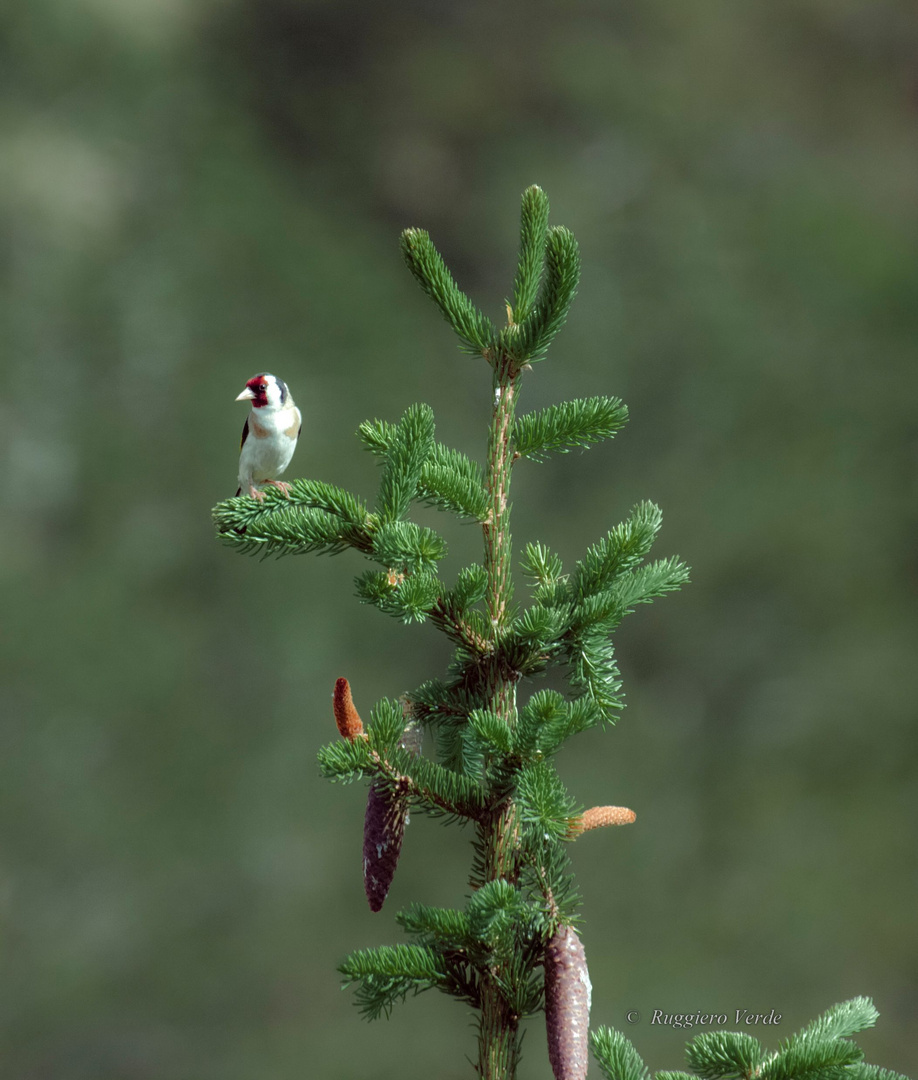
(245, 435)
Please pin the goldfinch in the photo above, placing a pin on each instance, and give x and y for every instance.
(269, 436)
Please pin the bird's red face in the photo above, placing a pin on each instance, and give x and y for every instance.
(256, 391)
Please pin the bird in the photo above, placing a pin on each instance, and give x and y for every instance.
(269, 436)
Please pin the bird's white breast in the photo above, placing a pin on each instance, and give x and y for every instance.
(269, 447)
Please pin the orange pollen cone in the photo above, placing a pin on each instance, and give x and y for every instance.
(346, 716)
(598, 816)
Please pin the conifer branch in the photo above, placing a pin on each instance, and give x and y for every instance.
(841, 1021)
(533, 236)
(308, 494)
(445, 928)
(437, 701)
(316, 517)
(560, 428)
(377, 436)
(862, 1071)
(528, 341)
(603, 611)
(650, 582)
(812, 1060)
(404, 597)
(390, 973)
(448, 480)
(431, 787)
(547, 721)
(492, 731)
(475, 331)
(545, 805)
(592, 671)
(452, 481)
(534, 638)
(423, 783)
(616, 1056)
(470, 588)
(619, 551)
(461, 628)
(407, 546)
(498, 919)
(725, 1055)
(406, 455)
(345, 761)
(542, 565)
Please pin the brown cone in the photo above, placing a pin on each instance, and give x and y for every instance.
(567, 1005)
(383, 830)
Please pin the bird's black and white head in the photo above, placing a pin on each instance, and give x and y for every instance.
(265, 391)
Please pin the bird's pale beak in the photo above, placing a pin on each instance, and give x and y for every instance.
(246, 394)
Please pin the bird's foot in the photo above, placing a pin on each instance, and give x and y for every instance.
(256, 493)
(282, 484)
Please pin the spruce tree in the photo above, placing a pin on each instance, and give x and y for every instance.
(512, 951)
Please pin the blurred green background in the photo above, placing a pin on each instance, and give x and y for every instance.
(196, 190)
